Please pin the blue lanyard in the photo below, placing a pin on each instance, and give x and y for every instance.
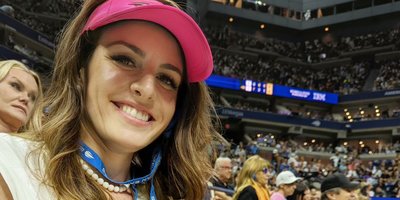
(91, 157)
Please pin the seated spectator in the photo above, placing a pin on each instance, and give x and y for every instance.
(253, 179)
(21, 91)
(364, 191)
(315, 191)
(9, 10)
(302, 192)
(286, 182)
(252, 149)
(337, 187)
(379, 192)
(223, 175)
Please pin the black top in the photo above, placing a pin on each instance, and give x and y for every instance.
(218, 183)
(248, 193)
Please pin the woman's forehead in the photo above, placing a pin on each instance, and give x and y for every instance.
(133, 27)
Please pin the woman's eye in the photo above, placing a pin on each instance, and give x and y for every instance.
(168, 81)
(15, 86)
(124, 60)
(33, 98)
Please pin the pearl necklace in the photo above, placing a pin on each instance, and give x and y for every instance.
(110, 187)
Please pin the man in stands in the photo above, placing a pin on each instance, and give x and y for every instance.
(338, 187)
(223, 174)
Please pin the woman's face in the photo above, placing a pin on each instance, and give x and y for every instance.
(262, 176)
(18, 92)
(133, 80)
(289, 189)
(307, 194)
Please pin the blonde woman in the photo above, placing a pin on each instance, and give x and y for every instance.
(253, 179)
(129, 114)
(20, 92)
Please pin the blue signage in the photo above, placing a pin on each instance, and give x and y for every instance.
(271, 89)
(303, 94)
(223, 82)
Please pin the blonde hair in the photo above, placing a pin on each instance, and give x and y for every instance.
(185, 167)
(245, 178)
(34, 120)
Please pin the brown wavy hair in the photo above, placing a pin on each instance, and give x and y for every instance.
(185, 166)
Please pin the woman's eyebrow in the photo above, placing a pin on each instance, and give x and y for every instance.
(22, 85)
(130, 46)
(19, 81)
(172, 68)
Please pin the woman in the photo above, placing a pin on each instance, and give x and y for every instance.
(20, 90)
(253, 179)
(302, 192)
(286, 182)
(129, 114)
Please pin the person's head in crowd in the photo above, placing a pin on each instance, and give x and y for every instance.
(364, 191)
(315, 190)
(275, 152)
(128, 91)
(254, 175)
(7, 9)
(315, 194)
(302, 192)
(223, 169)
(338, 187)
(222, 177)
(20, 92)
(286, 183)
(379, 192)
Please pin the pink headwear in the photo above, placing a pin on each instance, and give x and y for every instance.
(198, 57)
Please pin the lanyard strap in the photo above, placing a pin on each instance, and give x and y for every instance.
(91, 157)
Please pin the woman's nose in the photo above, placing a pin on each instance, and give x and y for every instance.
(143, 88)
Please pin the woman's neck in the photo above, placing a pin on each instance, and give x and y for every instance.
(117, 164)
(6, 128)
(280, 190)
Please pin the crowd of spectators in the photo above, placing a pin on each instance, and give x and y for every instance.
(345, 79)
(389, 75)
(301, 111)
(46, 19)
(309, 51)
(21, 48)
(381, 175)
(31, 58)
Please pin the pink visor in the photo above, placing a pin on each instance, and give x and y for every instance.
(199, 61)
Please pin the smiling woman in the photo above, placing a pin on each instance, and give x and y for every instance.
(129, 114)
(20, 92)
